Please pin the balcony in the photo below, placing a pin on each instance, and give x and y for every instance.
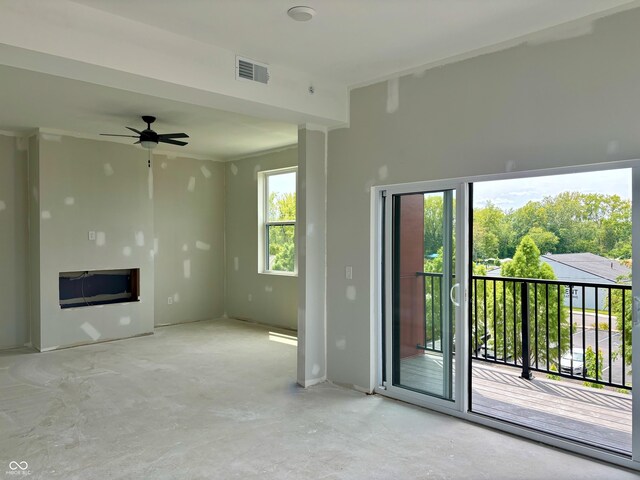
(541, 359)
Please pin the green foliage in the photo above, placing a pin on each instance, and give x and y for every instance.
(590, 363)
(526, 263)
(569, 222)
(552, 376)
(433, 211)
(617, 307)
(282, 241)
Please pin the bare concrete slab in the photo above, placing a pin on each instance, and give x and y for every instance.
(217, 400)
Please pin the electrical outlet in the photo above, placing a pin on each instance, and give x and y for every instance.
(92, 235)
(170, 300)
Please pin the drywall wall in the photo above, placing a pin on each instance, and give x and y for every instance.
(311, 244)
(88, 185)
(260, 297)
(14, 323)
(188, 211)
(33, 189)
(544, 104)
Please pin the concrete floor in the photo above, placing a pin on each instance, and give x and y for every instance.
(217, 399)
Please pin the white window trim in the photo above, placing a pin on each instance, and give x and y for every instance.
(263, 201)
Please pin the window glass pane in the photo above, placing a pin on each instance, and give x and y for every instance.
(282, 247)
(281, 197)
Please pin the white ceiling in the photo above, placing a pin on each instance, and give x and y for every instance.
(69, 105)
(350, 42)
(353, 41)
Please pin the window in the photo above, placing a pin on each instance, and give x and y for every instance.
(277, 216)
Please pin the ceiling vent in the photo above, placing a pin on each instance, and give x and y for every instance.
(250, 70)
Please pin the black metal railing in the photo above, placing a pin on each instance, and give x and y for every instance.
(433, 296)
(569, 329)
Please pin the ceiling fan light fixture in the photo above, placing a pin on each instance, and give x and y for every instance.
(301, 13)
(150, 144)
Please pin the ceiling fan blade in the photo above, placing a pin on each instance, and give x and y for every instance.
(134, 130)
(114, 135)
(173, 135)
(172, 142)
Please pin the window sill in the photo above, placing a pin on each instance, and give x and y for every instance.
(279, 274)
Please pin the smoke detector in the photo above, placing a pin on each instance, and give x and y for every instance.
(301, 13)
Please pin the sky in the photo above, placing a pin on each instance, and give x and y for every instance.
(285, 183)
(512, 194)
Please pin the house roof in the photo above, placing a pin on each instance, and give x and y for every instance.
(591, 263)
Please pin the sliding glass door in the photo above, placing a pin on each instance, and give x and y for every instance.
(423, 291)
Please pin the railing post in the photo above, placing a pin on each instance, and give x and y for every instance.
(524, 304)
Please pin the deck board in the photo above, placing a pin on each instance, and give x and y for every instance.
(599, 417)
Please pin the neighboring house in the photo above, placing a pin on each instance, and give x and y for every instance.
(582, 268)
(586, 268)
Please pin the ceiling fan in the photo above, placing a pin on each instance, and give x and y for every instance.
(150, 139)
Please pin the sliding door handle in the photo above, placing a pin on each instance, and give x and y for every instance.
(453, 300)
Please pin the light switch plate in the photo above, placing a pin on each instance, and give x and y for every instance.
(348, 272)
(92, 235)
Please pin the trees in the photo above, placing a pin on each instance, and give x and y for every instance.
(282, 245)
(569, 222)
(621, 308)
(547, 320)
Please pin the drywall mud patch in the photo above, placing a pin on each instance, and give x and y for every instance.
(191, 186)
(91, 331)
(205, 171)
(393, 95)
(202, 245)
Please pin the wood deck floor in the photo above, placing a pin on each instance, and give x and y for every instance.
(568, 409)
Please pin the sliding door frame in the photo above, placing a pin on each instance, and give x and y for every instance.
(384, 375)
(460, 407)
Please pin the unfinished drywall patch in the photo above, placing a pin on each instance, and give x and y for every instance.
(91, 331)
(140, 238)
(191, 186)
(150, 183)
(393, 95)
(126, 251)
(3, 206)
(101, 239)
(186, 268)
(351, 293)
(125, 321)
(108, 169)
(69, 201)
(50, 137)
(234, 169)
(46, 215)
(205, 171)
(202, 246)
